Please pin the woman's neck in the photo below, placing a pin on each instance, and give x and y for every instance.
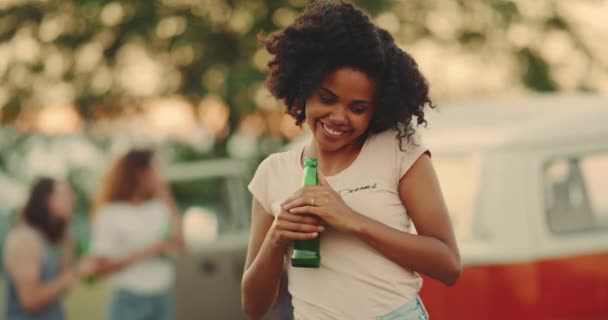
(138, 198)
(332, 162)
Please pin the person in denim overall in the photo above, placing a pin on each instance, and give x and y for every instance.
(38, 255)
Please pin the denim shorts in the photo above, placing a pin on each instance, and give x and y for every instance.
(412, 310)
(128, 305)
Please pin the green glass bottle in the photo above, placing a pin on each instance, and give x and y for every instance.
(306, 253)
(83, 248)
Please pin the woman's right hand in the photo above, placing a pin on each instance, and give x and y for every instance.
(82, 269)
(86, 266)
(288, 227)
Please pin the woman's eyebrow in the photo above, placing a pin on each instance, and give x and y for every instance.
(327, 91)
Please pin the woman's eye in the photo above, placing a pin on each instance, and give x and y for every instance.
(326, 100)
(358, 109)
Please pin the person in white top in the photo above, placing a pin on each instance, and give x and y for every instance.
(136, 223)
(362, 97)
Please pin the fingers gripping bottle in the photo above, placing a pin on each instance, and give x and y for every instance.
(83, 248)
(306, 253)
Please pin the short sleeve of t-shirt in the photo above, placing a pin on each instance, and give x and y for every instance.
(414, 148)
(260, 183)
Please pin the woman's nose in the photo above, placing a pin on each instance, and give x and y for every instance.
(338, 116)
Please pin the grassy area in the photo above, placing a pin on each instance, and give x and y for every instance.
(88, 301)
(82, 302)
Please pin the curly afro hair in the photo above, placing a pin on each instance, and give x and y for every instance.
(334, 34)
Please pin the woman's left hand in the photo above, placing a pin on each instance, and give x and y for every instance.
(324, 202)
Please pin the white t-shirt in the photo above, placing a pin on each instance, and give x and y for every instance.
(120, 229)
(354, 281)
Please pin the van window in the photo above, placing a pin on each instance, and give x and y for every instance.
(459, 180)
(211, 207)
(575, 192)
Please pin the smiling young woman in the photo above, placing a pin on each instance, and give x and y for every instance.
(361, 96)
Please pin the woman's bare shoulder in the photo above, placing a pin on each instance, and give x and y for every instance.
(22, 238)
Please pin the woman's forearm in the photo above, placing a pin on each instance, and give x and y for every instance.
(35, 297)
(174, 217)
(261, 280)
(174, 214)
(423, 254)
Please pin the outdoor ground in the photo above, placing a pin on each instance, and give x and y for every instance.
(83, 302)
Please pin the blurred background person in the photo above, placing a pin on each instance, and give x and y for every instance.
(38, 254)
(136, 223)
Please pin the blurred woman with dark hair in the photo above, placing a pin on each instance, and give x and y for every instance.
(38, 255)
(136, 223)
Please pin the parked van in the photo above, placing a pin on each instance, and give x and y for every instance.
(526, 183)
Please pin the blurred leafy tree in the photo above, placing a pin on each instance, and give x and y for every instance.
(500, 45)
(109, 55)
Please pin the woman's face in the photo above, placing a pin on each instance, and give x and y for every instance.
(148, 179)
(340, 110)
(61, 201)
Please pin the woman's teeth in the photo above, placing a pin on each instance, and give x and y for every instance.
(331, 131)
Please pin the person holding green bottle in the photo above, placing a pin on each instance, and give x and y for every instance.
(362, 98)
(39, 255)
(136, 224)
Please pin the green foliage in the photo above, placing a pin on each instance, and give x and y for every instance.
(199, 47)
(186, 39)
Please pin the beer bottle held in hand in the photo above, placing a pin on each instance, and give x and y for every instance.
(83, 248)
(306, 252)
